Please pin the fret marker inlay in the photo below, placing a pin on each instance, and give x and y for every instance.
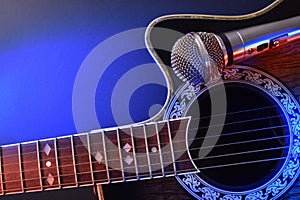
(153, 149)
(128, 160)
(48, 163)
(47, 149)
(98, 157)
(127, 147)
(50, 179)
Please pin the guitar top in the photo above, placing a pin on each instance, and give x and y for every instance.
(282, 63)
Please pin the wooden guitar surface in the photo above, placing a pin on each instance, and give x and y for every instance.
(282, 63)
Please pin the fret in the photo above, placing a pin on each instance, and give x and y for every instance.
(57, 163)
(113, 156)
(1, 174)
(154, 150)
(90, 157)
(178, 132)
(159, 149)
(73, 159)
(20, 166)
(166, 151)
(83, 159)
(127, 154)
(147, 150)
(171, 146)
(141, 152)
(12, 173)
(66, 161)
(39, 163)
(49, 164)
(120, 154)
(99, 158)
(134, 152)
(31, 167)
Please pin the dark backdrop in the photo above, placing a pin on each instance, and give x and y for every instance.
(43, 46)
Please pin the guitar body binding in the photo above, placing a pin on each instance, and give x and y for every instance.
(279, 172)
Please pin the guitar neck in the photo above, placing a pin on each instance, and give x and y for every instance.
(135, 152)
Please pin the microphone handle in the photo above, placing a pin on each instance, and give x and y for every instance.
(244, 43)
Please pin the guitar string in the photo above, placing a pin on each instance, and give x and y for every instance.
(135, 177)
(240, 111)
(209, 157)
(190, 149)
(189, 159)
(197, 138)
(143, 146)
(161, 144)
(214, 146)
(143, 156)
(218, 165)
(118, 159)
(196, 119)
(174, 172)
(203, 127)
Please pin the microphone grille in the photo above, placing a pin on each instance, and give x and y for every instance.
(198, 58)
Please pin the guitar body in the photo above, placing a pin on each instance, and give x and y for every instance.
(239, 139)
(247, 143)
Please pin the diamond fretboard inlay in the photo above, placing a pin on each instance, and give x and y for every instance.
(98, 157)
(128, 160)
(50, 179)
(127, 147)
(47, 149)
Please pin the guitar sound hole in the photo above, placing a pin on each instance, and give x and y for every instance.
(252, 145)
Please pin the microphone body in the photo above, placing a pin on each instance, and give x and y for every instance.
(201, 57)
(244, 43)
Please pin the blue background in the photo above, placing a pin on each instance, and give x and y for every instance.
(44, 43)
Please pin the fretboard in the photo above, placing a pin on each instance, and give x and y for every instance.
(120, 154)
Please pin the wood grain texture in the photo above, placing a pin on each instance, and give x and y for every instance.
(283, 63)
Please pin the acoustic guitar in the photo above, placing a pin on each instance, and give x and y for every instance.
(236, 138)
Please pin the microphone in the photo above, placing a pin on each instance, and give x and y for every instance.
(201, 57)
